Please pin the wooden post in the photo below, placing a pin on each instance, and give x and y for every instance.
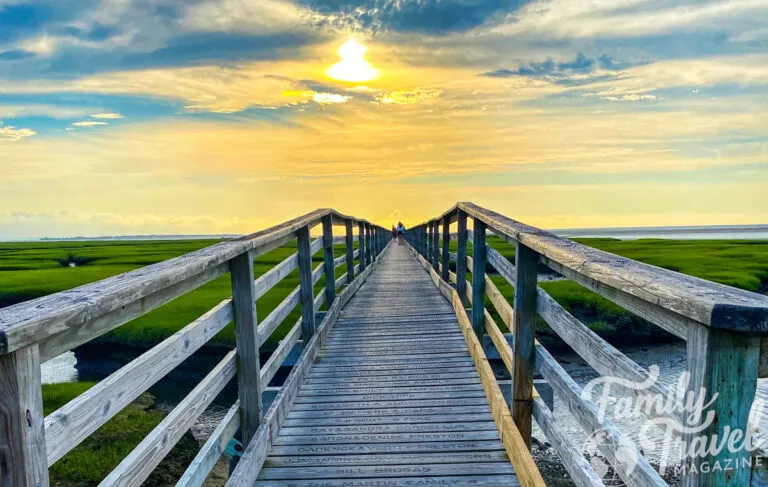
(23, 459)
(527, 264)
(435, 244)
(446, 248)
(350, 242)
(247, 340)
(368, 248)
(306, 288)
(461, 256)
(724, 363)
(330, 272)
(428, 242)
(361, 244)
(478, 279)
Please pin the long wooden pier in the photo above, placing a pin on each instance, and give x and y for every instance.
(392, 386)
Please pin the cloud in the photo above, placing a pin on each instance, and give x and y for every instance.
(581, 64)
(9, 133)
(89, 123)
(329, 98)
(409, 97)
(107, 116)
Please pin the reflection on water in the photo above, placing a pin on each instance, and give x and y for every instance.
(59, 369)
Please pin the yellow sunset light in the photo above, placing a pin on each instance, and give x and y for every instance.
(353, 67)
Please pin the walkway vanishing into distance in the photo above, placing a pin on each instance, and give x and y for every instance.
(393, 396)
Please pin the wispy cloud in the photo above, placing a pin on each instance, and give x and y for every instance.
(9, 133)
(108, 116)
(89, 123)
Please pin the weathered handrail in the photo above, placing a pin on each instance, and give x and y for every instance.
(36, 330)
(722, 325)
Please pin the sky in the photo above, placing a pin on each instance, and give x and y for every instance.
(226, 116)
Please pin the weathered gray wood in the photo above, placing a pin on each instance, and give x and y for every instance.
(631, 466)
(578, 467)
(392, 403)
(281, 352)
(475, 481)
(446, 256)
(461, 256)
(368, 420)
(137, 466)
(397, 413)
(598, 353)
(361, 245)
(22, 438)
(364, 471)
(328, 260)
(669, 299)
(478, 277)
(211, 451)
(502, 265)
(350, 251)
(267, 281)
(526, 264)
(386, 438)
(388, 459)
(724, 363)
(68, 426)
(435, 244)
(306, 284)
(400, 448)
(34, 321)
(248, 342)
(273, 320)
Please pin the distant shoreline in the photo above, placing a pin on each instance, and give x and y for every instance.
(756, 231)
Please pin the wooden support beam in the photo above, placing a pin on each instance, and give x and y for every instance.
(22, 437)
(478, 277)
(435, 244)
(461, 256)
(306, 285)
(330, 273)
(446, 255)
(361, 244)
(725, 363)
(350, 242)
(247, 339)
(526, 263)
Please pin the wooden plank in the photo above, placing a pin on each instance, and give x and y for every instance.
(461, 256)
(281, 352)
(636, 285)
(306, 285)
(137, 466)
(350, 251)
(478, 277)
(388, 459)
(267, 281)
(273, 320)
(393, 412)
(360, 403)
(212, 450)
(22, 437)
(526, 264)
(630, 465)
(366, 471)
(383, 397)
(361, 245)
(578, 467)
(355, 429)
(386, 438)
(321, 393)
(474, 481)
(378, 448)
(68, 426)
(248, 342)
(34, 321)
(502, 265)
(444, 417)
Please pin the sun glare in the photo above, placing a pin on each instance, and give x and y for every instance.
(353, 67)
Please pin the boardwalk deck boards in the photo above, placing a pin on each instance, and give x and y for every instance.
(393, 397)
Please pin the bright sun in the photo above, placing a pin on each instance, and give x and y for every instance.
(353, 67)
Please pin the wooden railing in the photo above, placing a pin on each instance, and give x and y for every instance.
(37, 330)
(725, 330)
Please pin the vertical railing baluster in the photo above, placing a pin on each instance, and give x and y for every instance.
(526, 264)
(435, 245)
(446, 258)
(249, 385)
(306, 288)
(350, 243)
(330, 272)
(478, 278)
(428, 243)
(461, 255)
(23, 460)
(361, 245)
(368, 245)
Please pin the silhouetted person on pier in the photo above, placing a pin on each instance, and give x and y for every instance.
(400, 233)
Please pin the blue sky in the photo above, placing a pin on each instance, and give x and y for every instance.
(205, 116)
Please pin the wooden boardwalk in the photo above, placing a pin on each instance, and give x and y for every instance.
(393, 398)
